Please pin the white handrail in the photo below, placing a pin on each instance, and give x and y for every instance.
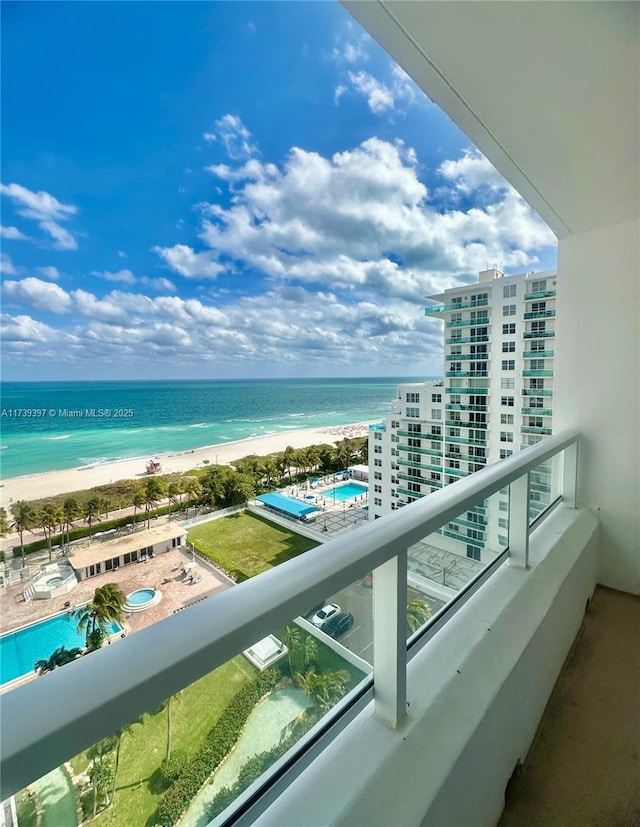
(49, 720)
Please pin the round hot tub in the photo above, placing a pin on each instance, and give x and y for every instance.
(52, 582)
(142, 599)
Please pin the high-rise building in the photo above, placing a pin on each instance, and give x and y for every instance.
(496, 397)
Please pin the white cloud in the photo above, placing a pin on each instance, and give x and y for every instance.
(471, 172)
(38, 294)
(186, 262)
(122, 276)
(158, 284)
(7, 267)
(50, 273)
(12, 233)
(24, 329)
(46, 210)
(379, 97)
(395, 96)
(235, 136)
(88, 305)
(351, 50)
(121, 254)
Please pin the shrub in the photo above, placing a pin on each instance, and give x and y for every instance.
(172, 767)
(216, 746)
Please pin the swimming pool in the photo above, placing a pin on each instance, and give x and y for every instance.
(20, 650)
(346, 492)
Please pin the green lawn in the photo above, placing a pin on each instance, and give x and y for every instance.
(194, 711)
(245, 545)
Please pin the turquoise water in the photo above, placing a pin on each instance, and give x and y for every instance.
(57, 799)
(141, 596)
(346, 492)
(83, 423)
(20, 650)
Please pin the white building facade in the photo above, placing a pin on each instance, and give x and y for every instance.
(496, 398)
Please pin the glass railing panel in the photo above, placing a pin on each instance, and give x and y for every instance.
(545, 486)
(190, 757)
(442, 564)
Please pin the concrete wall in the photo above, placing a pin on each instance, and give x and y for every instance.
(598, 375)
(476, 694)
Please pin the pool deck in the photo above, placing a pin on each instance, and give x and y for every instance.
(176, 594)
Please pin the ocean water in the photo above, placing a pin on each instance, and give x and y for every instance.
(83, 423)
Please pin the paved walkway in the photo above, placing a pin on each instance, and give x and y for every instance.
(56, 800)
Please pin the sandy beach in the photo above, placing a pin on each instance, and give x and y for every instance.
(37, 486)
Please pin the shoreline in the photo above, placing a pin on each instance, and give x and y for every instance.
(50, 483)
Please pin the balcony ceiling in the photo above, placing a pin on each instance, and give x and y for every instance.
(549, 92)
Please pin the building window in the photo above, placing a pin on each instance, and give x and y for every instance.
(537, 364)
(508, 310)
(377, 489)
(377, 475)
(508, 347)
(436, 397)
(413, 397)
(377, 501)
(435, 446)
(507, 401)
(506, 436)
(507, 384)
(413, 457)
(473, 553)
(506, 419)
(436, 413)
(508, 329)
(509, 291)
(413, 412)
(377, 435)
(538, 286)
(436, 430)
(504, 506)
(395, 424)
(414, 428)
(508, 364)
(537, 328)
(504, 453)
(377, 449)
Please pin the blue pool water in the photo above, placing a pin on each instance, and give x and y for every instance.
(141, 596)
(20, 650)
(346, 492)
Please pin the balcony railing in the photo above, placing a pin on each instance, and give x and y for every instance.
(540, 294)
(468, 340)
(461, 357)
(478, 391)
(467, 373)
(538, 354)
(412, 449)
(461, 440)
(538, 411)
(414, 435)
(410, 464)
(539, 334)
(444, 308)
(455, 407)
(377, 427)
(49, 720)
(459, 423)
(537, 373)
(535, 429)
(540, 314)
(418, 494)
(537, 392)
(483, 321)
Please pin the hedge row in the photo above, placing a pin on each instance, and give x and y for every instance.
(217, 745)
(104, 525)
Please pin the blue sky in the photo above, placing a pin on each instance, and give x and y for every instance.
(207, 190)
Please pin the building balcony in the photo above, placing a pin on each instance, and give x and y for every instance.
(541, 294)
(418, 494)
(378, 427)
(535, 429)
(539, 334)
(465, 457)
(429, 451)
(457, 472)
(456, 407)
(482, 322)
(467, 374)
(466, 340)
(461, 357)
(410, 464)
(461, 440)
(537, 373)
(414, 435)
(444, 308)
(537, 411)
(540, 314)
(537, 392)
(478, 391)
(538, 354)
(463, 538)
(459, 423)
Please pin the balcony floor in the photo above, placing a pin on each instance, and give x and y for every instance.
(582, 768)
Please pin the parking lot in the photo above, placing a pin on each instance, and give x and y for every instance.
(357, 599)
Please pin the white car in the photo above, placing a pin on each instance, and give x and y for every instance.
(325, 613)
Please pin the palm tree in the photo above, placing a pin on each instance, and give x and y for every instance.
(192, 489)
(70, 512)
(125, 730)
(214, 483)
(418, 612)
(138, 502)
(324, 689)
(292, 639)
(153, 490)
(175, 490)
(59, 657)
(4, 523)
(289, 458)
(91, 511)
(105, 608)
(270, 470)
(49, 519)
(23, 519)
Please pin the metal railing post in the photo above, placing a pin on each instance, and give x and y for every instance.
(570, 475)
(390, 640)
(519, 522)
